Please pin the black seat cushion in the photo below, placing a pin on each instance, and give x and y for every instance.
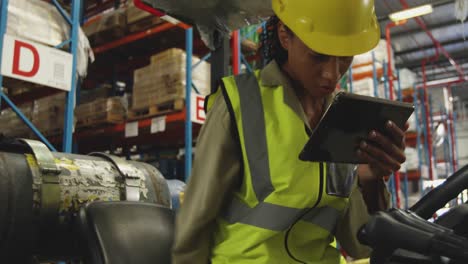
(126, 233)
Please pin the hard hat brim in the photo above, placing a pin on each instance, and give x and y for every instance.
(350, 45)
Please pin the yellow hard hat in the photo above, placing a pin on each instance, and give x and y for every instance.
(331, 27)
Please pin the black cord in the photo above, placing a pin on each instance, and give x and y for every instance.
(286, 236)
(286, 243)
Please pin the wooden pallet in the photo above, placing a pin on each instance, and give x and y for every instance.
(94, 121)
(155, 110)
(144, 24)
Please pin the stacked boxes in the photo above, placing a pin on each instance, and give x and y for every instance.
(11, 125)
(48, 113)
(163, 81)
(106, 27)
(139, 20)
(362, 63)
(101, 111)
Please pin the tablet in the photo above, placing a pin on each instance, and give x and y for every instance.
(347, 121)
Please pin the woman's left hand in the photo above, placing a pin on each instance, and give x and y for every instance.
(384, 154)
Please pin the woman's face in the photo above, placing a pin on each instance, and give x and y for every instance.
(318, 74)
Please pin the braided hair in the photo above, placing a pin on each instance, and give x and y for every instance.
(270, 45)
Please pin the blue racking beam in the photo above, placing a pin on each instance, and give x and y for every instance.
(70, 106)
(405, 174)
(374, 75)
(246, 63)
(188, 98)
(3, 24)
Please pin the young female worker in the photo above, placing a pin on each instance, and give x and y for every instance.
(250, 199)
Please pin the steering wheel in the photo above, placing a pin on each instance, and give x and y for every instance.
(402, 237)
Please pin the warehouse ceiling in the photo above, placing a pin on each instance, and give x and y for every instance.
(411, 44)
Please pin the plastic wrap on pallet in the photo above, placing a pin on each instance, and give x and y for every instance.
(230, 15)
(176, 188)
(366, 87)
(11, 125)
(48, 113)
(101, 111)
(107, 26)
(380, 53)
(412, 122)
(41, 22)
(407, 78)
(412, 160)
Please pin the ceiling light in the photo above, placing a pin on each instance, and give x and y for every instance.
(411, 12)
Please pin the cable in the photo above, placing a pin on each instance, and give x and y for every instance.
(286, 236)
(286, 246)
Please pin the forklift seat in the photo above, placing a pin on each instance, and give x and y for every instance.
(126, 233)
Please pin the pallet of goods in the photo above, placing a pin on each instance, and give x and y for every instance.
(11, 125)
(139, 20)
(160, 87)
(48, 114)
(107, 27)
(100, 112)
(363, 63)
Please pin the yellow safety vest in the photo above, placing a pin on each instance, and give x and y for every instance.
(277, 187)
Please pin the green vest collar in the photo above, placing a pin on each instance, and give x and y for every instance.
(272, 76)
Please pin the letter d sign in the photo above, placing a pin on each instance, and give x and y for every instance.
(22, 47)
(32, 62)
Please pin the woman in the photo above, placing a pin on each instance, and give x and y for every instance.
(250, 199)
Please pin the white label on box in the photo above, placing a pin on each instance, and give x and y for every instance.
(131, 129)
(198, 109)
(32, 62)
(158, 124)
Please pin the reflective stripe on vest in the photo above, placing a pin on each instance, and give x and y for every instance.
(279, 218)
(255, 134)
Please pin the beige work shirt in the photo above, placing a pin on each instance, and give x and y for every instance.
(217, 174)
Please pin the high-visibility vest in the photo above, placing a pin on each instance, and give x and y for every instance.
(277, 188)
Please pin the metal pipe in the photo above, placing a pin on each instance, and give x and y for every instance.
(427, 124)
(63, 12)
(3, 24)
(188, 100)
(246, 63)
(453, 137)
(70, 107)
(431, 127)
(350, 73)
(443, 82)
(455, 156)
(400, 96)
(425, 120)
(385, 80)
(389, 53)
(374, 75)
(235, 52)
(203, 59)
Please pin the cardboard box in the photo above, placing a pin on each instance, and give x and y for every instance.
(11, 125)
(48, 113)
(106, 27)
(165, 78)
(101, 111)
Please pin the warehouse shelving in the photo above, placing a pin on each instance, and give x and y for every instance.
(176, 122)
(74, 22)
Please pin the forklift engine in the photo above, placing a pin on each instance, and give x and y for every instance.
(42, 192)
